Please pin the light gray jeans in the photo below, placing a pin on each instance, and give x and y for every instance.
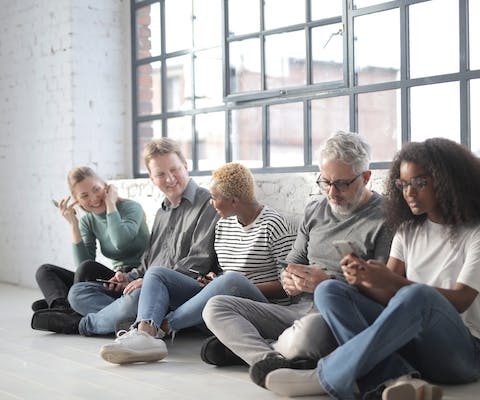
(253, 329)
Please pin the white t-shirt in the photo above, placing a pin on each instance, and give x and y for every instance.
(431, 257)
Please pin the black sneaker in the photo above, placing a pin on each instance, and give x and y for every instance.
(56, 320)
(273, 361)
(39, 305)
(214, 352)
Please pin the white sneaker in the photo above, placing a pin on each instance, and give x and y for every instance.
(407, 388)
(294, 382)
(134, 346)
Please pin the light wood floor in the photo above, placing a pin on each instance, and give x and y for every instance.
(42, 365)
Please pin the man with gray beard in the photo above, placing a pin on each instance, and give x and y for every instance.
(270, 336)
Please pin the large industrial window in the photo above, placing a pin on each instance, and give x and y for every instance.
(264, 82)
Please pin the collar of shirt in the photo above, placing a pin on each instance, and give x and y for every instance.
(188, 194)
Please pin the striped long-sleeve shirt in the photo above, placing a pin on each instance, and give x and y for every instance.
(254, 250)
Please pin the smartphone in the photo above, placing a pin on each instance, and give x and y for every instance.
(283, 263)
(55, 203)
(107, 281)
(345, 247)
(196, 272)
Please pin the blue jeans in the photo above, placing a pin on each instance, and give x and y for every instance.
(171, 295)
(419, 332)
(101, 308)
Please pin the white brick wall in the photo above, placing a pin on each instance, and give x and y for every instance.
(64, 101)
(288, 192)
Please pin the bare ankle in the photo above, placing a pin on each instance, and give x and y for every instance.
(147, 327)
(165, 327)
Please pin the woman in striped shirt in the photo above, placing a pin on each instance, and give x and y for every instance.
(250, 240)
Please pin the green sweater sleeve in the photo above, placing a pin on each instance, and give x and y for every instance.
(87, 248)
(123, 225)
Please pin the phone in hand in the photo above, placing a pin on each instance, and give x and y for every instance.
(107, 281)
(346, 247)
(196, 272)
(283, 263)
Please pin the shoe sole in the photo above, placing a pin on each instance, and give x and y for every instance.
(262, 368)
(406, 391)
(127, 357)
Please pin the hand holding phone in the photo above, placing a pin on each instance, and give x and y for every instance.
(346, 247)
(196, 272)
(107, 281)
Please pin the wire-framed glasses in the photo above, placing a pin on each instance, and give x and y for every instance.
(417, 183)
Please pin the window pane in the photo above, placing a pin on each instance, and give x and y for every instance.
(246, 136)
(146, 131)
(147, 22)
(434, 40)
(208, 78)
(207, 23)
(178, 25)
(377, 47)
(180, 129)
(475, 115)
(327, 53)
(243, 17)
(379, 122)
(245, 66)
(149, 86)
(435, 111)
(366, 3)
(474, 27)
(286, 134)
(283, 13)
(179, 86)
(285, 60)
(211, 140)
(325, 9)
(328, 116)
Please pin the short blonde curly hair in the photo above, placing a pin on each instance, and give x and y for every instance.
(234, 180)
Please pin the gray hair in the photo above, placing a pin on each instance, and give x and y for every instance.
(351, 148)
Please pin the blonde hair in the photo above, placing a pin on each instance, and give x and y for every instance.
(76, 175)
(161, 147)
(234, 180)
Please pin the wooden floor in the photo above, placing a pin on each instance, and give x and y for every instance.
(42, 365)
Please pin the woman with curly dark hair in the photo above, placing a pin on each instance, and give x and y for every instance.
(418, 317)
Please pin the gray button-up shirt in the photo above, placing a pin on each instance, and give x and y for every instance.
(182, 237)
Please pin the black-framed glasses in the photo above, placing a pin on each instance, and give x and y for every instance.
(417, 183)
(340, 185)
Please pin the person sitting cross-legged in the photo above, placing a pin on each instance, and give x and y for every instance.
(416, 319)
(250, 239)
(182, 238)
(268, 336)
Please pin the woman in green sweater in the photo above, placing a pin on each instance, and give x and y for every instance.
(118, 224)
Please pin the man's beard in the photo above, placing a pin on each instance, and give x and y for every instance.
(350, 207)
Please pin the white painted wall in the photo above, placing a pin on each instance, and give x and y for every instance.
(64, 101)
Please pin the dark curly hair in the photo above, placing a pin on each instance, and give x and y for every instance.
(456, 183)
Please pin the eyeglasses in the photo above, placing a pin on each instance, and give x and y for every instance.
(340, 185)
(417, 183)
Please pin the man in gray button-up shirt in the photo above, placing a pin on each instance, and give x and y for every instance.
(182, 237)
